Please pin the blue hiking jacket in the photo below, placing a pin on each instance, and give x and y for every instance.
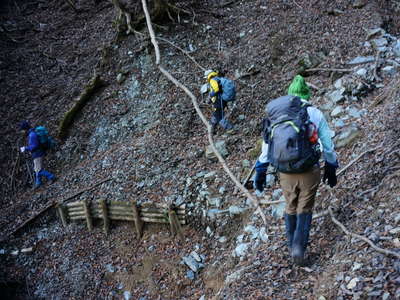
(33, 144)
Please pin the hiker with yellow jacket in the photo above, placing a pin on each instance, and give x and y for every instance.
(221, 91)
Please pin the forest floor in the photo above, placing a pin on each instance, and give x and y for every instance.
(143, 133)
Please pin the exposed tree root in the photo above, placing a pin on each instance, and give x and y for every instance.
(201, 115)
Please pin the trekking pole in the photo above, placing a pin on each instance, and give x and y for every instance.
(30, 176)
(13, 170)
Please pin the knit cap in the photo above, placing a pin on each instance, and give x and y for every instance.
(299, 88)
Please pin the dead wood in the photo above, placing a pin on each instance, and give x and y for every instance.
(360, 237)
(93, 85)
(356, 159)
(328, 70)
(199, 112)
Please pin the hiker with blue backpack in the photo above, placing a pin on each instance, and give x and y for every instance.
(39, 142)
(221, 91)
(294, 131)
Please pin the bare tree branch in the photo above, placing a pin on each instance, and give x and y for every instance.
(360, 237)
(201, 115)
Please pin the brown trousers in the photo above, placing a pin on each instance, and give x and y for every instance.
(300, 190)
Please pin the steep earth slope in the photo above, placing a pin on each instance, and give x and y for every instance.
(141, 131)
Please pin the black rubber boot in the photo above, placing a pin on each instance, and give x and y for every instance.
(290, 224)
(300, 238)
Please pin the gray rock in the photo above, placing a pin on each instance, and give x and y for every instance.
(215, 201)
(354, 112)
(338, 84)
(338, 123)
(381, 42)
(347, 136)
(385, 296)
(397, 218)
(373, 237)
(241, 249)
(269, 180)
(190, 274)
(359, 3)
(374, 32)
(223, 239)
(396, 48)
(120, 78)
(191, 263)
(337, 111)
(252, 230)
(361, 60)
(196, 256)
(127, 295)
(362, 72)
(110, 268)
(389, 70)
(221, 148)
(202, 298)
(263, 235)
(278, 209)
(246, 163)
(336, 96)
(276, 194)
(235, 276)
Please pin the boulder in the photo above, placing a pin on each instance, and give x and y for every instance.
(221, 148)
(347, 136)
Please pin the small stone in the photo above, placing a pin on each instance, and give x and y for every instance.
(196, 256)
(191, 263)
(374, 32)
(356, 266)
(359, 3)
(222, 239)
(190, 274)
(120, 78)
(220, 147)
(354, 112)
(381, 42)
(385, 296)
(276, 194)
(252, 230)
(110, 268)
(394, 230)
(336, 96)
(127, 295)
(263, 235)
(278, 210)
(361, 72)
(202, 298)
(242, 117)
(338, 123)
(241, 249)
(389, 70)
(373, 237)
(338, 110)
(209, 231)
(353, 283)
(396, 48)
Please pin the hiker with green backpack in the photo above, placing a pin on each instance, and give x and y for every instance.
(39, 142)
(221, 90)
(294, 131)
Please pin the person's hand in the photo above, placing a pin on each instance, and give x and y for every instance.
(330, 174)
(213, 99)
(22, 149)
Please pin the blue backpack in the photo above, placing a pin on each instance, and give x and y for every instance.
(46, 142)
(228, 88)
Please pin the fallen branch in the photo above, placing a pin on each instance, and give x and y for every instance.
(92, 86)
(360, 237)
(375, 74)
(50, 205)
(313, 86)
(356, 159)
(199, 112)
(328, 70)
